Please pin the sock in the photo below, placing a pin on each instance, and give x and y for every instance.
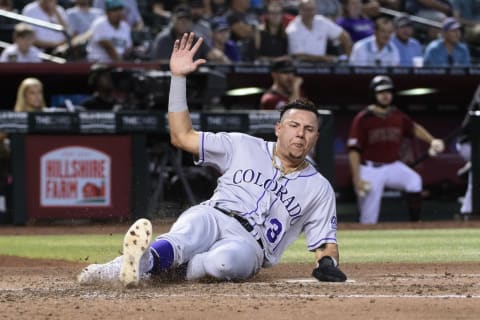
(162, 254)
(414, 203)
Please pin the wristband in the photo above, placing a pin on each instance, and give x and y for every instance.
(177, 99)
(335, 263)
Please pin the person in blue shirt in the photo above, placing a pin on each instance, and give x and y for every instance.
(448, 50)
(408, 47)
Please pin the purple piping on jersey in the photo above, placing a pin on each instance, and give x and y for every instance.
(315, 245)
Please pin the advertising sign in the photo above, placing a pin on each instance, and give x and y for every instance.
(75, 176)
(78, 176)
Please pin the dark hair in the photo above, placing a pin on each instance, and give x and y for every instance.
(301, 104)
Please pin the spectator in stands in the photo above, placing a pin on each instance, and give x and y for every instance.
(407, 46)
(30, 96)
(181, 23)
(132, 14)
(49, 11)
(227, 51)
(158, 14)
(7, 25)
(467, 12)
(332, 9)
(201, 26)
(100, 80)
(434, 10)
(110, 39)
(242, 24)
(308, 34)
(448, 50)
(271, 40)
(81, 16)
(215, 8)
(286, 86)
(378, 49)
(22, 50)
(354, 22)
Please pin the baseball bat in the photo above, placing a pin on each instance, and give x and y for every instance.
(426, 155)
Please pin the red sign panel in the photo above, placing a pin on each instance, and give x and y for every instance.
(78, 176)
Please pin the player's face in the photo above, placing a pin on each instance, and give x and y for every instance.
(297, 133)
(285, 80)
(384, 98)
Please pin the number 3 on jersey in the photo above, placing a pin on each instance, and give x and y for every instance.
(274, 230)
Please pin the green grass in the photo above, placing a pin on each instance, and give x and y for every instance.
(396, 246)
(379, 246)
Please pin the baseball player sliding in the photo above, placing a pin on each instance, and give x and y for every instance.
(374, 142)
(266, 197)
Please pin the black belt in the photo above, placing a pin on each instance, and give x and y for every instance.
(372, 163)
(244, 222)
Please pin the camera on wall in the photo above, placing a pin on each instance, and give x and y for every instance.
(143, 90)
(149, 89)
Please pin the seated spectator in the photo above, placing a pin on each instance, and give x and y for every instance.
(110, 39)
(467, 12)
(226, 50)
(286, 86)
(47, 10)
(215, 8)
(448, 50)
(81, 16)
(158, 14)
(376, 50)
(407, 46)
(7, 25)
(22, 50)
(308, 34)
(30, 96)
(332, 9)
(434, 10)
(132, 14)
(201, 26)
(271, 40)
(242, 25)
(100, 80)
(354, 22)
(181, 23)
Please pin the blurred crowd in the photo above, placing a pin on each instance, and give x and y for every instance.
(356, 32)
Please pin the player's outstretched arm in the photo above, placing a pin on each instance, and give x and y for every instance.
(182, 134)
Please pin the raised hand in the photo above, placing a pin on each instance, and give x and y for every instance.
(181, 61)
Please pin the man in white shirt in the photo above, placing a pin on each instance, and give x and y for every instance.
(81, 16)
(377, 49)
(110, 37)
(22, 50)
(309, 32)
(49, 11)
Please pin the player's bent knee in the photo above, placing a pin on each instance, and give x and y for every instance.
(227, 267)
(415, 184)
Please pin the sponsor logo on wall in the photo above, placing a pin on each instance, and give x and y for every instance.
(75, 176)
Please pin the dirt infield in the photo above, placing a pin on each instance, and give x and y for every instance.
(45, 289)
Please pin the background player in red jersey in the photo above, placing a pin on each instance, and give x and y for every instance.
(374, 142)
(286, 86)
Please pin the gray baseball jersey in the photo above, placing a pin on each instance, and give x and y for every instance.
(279, 207)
